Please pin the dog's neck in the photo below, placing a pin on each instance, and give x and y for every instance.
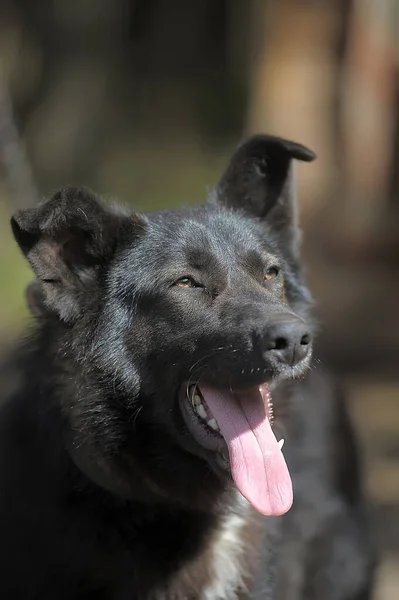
(105, 476)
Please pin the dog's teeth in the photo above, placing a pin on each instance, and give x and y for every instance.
(212, 423)
(197, 400)
(281, 443)
(201, 411)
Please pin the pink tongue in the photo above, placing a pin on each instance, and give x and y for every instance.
(257, 464)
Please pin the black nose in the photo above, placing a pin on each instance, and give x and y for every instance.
(288, 341)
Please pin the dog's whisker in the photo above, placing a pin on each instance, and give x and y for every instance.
(140, 408)
(207, 356)
(191, 381)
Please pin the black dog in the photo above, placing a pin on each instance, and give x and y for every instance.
(142, 448)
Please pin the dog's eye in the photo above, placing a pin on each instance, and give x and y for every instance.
(271, 273)
(186, 282)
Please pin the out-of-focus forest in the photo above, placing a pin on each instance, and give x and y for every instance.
(144, 100)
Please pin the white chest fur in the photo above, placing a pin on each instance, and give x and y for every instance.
(228, 549)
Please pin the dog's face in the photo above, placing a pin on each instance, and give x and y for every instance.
(176, 326)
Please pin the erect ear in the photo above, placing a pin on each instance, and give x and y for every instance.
(260, 181)
(68, 241)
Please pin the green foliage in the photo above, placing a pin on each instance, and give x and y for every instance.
(14, 275)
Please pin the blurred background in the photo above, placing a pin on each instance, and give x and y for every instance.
(144, 100)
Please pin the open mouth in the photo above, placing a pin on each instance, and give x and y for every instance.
(203, 418)
(241, 422)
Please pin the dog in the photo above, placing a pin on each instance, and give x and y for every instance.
(168, 437)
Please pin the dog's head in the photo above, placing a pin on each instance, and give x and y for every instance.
(171, 329)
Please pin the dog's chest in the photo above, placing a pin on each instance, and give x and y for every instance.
(221, 571)
(227, 565)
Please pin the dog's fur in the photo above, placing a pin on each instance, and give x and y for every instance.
(103, 492)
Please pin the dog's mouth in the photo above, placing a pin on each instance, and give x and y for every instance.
(241, 422)
(201, 421)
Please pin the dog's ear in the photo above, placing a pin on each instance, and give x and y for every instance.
(260, 181)
(68, 241)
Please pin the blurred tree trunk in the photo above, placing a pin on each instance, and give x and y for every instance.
(394, 165)
(81, 47)
(369, 113)
(324, 74)
(292, 83)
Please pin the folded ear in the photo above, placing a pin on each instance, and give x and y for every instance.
(68, 241)
(260, 181)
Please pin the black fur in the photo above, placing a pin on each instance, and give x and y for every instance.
(103, 492)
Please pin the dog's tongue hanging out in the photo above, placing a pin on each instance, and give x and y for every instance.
(257, 464)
